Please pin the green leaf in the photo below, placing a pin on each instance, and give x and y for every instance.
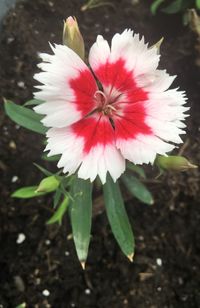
(24, 117)
(33, 102)
(137, 189)
(50, 158)
(58, 215)
(81, 216)
(136, 169)
(57, 197)
(23, 305)
(174, 7)
(43, 170)
(27, 192)
(198, 4)
(118, 218)
(155, 5)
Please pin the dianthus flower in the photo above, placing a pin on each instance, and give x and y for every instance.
(119, 109)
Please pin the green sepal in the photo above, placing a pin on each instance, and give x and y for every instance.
(27, 192)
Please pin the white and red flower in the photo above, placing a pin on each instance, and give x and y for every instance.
(120, 109)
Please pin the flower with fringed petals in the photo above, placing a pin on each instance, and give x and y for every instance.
(120, 109)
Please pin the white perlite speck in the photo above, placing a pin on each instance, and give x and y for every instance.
(46, 292)
(21, 238)
(159, 261)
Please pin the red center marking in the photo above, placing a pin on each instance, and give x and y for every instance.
(128, 115)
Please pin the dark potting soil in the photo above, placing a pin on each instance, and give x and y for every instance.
(43, 271)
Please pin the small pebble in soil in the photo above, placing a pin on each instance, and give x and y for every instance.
(46, 292)
(180, 280)
(19, 283)
(21, 84)
(159, 261)
(17, 126)
(12, 145)
(10, 40)
(159, 289)
(67, 253)
(14, 179)
(87, 291)
(47, 242)
(20, 238)
(72, 305)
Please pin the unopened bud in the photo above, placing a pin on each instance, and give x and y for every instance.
(72, 37)
(48, 184)
(174, 163)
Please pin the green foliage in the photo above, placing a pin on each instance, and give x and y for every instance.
(81, 216)
(137, 189)
(91, 4)
(27, 192)
(24, 117)
(198, 4)
(136, 169)
(50, 158)
(174, 6)
(23, 305)
(155, 5)
(118, 218)
(59, 213)
(32, 102)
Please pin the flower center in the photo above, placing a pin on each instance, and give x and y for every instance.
(104, 104)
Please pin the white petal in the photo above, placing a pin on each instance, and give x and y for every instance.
(62, 107)
(143, 149)
(99, 52)
(101, 160)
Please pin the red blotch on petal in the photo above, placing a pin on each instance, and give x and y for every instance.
(84, 88)
(95, 130)
(131, 122)
(119, 77)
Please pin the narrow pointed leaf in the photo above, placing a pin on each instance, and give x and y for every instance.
(118, 218)
(136, 169)
(81, 216)
(50, 158)
(27, 192)
(155, 5)
(174, 7)
(24, 117)
(33, 102)
(57, 197)
(137, 189)
(198, 4)
(58, 215)
(43, 170)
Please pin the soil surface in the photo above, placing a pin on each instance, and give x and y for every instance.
(43, 270)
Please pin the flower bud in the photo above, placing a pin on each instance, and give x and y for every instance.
(72, 37)
(48, 184)
(174, 163)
